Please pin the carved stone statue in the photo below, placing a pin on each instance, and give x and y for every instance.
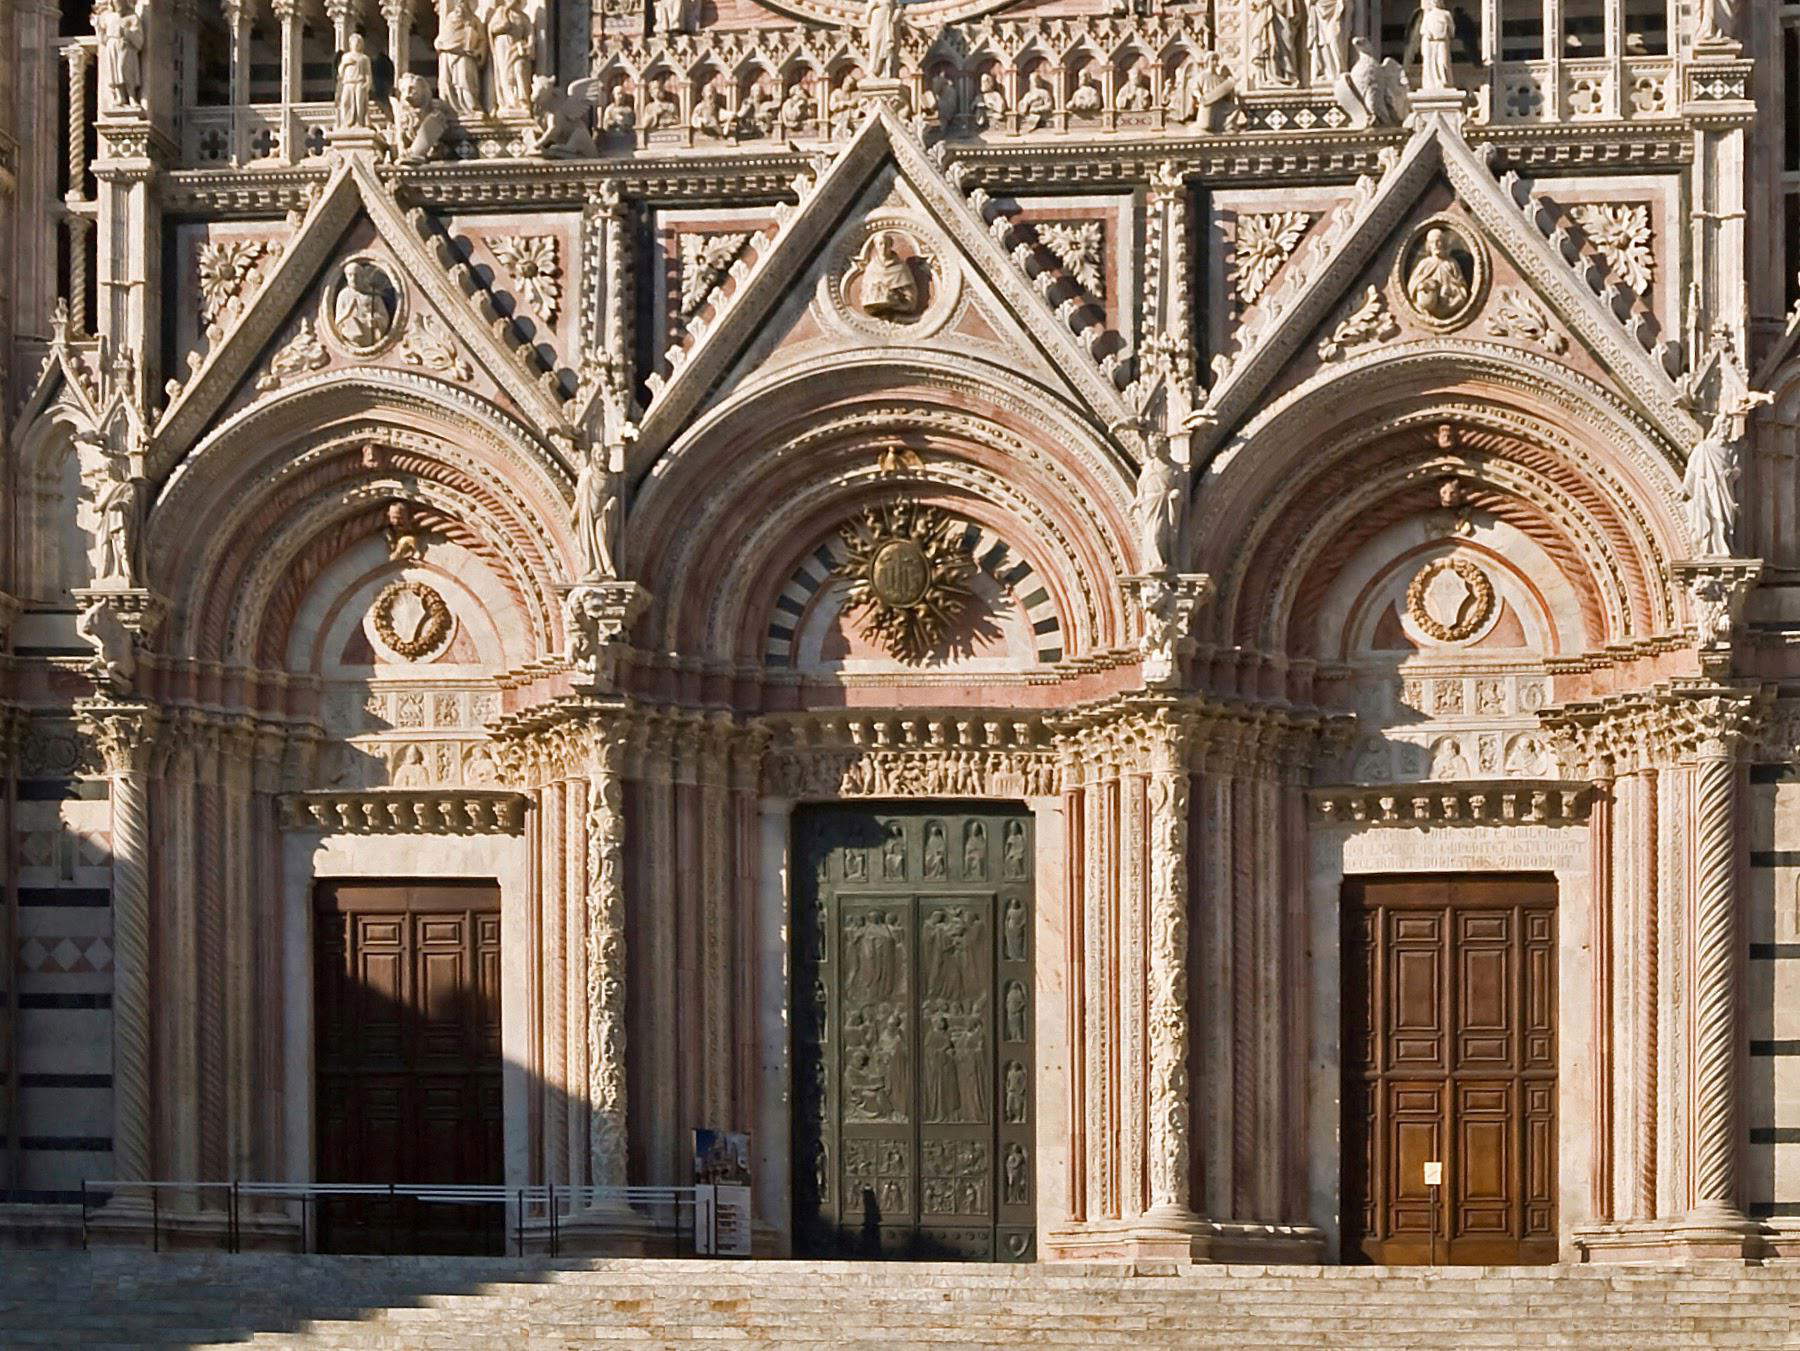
(598, 502)
(402, 533)
(1325, 40)
(510, 37)
(889, 288)
(1437, 285)
(1206, 93)
(462, 48)
(1277, 41)
(355, 74)
(882, 22)
(1375, 92)
(361, 313)
(1710, 490)
(117, 513)
(421, 121)
(1161, 497)
(1718, 20)
(563, 118)
(121, 33)
(674, 16)
(1037, 103)
(115, 646)
(1437, 31)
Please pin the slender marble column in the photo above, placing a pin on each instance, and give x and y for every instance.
(606, 1011)
(1170, 1123)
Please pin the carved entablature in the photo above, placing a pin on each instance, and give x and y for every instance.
(405, 812)
(1547, 802)
(968, 753)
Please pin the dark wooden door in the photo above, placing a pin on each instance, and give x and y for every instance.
(1450, 1057)
(407, 989)
(913, 1132)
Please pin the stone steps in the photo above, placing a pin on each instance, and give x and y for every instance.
(124, 1299)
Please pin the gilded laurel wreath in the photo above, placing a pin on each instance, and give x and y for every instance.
(411, 619)
(909, 568)
(1450, 599)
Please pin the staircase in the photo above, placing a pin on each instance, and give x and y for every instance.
(139, 1300)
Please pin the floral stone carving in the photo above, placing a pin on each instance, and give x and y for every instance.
(1621, 233)
(1264, 242)
(909, 572)
(531, 259)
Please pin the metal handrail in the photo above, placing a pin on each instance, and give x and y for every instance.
(539, 1205)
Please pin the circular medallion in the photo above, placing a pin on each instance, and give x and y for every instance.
(1450, 600)
(887, 281)
(1441, 275)
(364, 306)
(411, 620)
(899, 574)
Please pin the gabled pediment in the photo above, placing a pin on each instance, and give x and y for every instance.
(456, 319)
(1548, 290)
(830, 248)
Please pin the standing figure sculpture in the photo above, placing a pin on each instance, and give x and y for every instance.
(355, 76)
(510, 37)
(597, 510)
(1160, 497)
(1325, 40)
(1437, 31)
(121, 34)
(1709, 490)
(882, 23)
(1718, 21)
(1277, 55)
(117, 511)
(461, 47)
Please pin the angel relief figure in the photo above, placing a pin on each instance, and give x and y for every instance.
(563, 118)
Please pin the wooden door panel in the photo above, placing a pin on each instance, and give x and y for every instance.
(1449, 1056)
(408, 1060)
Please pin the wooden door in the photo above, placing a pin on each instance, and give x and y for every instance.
(1449, 1055)
(407, 989)
(913, 1120)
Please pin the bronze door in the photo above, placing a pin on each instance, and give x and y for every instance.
(913, 1115)
(407, 988)
(1450, 1057)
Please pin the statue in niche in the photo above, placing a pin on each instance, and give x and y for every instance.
(1161, 496)
(1037, 103)
(936, 852)
(660, 108)
(1325, 40)
(889, 288)
(1205, 92)
(1015, 1011)
(1277, 57)
(1015, 1093)
(1015, 869)
(1437, 30)
(120, 31)
(461, 47)
(355, 77)
(1438, 285)
(362, 312)
(410, 770)
(1086, 100)
(893, 851)
(1709, 490)
(797, 107)
(882, 24)
(990, 101)
(421, 120)
(599, 502)
(1013, 931)
(117, 509)
(975, 851)
(1134, 95)
(510, 37)
(1016, 1189)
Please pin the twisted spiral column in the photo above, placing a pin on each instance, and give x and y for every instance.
(606, 963)
(1715, 986)
(1170, 1123)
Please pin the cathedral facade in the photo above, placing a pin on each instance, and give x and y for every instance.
(1117, 628)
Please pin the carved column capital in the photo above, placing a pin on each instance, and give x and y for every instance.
(1718, 589)
(600, 616)
(124, 731)
(1168, 603)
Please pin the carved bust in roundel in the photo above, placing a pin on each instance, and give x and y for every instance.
(1441, 274)
(891, 277)
(363, 306)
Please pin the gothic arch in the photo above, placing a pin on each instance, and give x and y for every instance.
(284, 506)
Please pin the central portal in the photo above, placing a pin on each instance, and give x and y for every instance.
(913, 1113)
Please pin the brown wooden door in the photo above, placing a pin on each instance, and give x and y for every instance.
(407, 984)
(1450, 1056)
(913, 1119)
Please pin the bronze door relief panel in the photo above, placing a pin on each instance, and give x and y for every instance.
(912, 1034)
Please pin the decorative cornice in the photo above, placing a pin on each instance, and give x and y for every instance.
(402, 811)
(1537, 802)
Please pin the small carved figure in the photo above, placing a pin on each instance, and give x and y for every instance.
(1325, 40)
(1085, 99)
(562, 118)
(510, 38)
(402, 534)
(1709, 489)
(1016, 1192)
(1718, 20)
(115, 647)
(843, 104)
(660, 109)
(797, 107)
(1038, 101)
(620, 113)
(421, 120)
(675, 16)
(975, 851)
(1015, 871)
(1134, 95)
(461, 46)
(1015, 1093)
(893, 851)
(936, 852)
(410, 770)
(362, 314)
(708, 116)
(1015, 1011)
(355, 74)
(990, 101)
(121, 33)
(883, 23)
(598, 503)
(117, 512)
(1437, 285)
(1206, 93)
(1437, 30)
(1277, 34)
(1375, 92)
(889, 288)
(756, 113)
(1161, 495)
